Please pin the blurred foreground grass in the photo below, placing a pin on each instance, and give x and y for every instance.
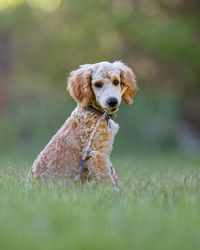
(158, 208)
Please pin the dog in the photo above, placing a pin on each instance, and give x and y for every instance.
(96, 88)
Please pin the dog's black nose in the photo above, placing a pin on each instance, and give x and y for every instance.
(112, 102)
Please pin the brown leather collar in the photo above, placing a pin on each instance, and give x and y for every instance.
(99, 112)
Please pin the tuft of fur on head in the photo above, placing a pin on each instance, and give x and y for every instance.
(79, 85)
(127, 80)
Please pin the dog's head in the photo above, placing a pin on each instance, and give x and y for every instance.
(102, 85)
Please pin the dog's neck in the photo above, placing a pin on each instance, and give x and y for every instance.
(92, 109)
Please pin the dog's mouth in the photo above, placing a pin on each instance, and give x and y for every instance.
(112, 110)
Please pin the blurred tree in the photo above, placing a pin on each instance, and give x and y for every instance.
(159, 39)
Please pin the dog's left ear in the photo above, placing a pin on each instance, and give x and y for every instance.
(78, 85)
(128, 82)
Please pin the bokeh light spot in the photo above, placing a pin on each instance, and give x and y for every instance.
(4, 4)
(45, 5)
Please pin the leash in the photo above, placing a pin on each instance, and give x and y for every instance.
(87, 152)
(124, 90)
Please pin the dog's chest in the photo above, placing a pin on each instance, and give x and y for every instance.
(112, 128)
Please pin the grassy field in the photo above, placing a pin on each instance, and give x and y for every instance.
(158, 208)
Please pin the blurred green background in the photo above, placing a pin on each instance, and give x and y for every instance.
(41, 41)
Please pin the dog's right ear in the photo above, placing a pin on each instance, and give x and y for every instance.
(78, 85)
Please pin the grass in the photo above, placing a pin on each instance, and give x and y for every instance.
(158, 208)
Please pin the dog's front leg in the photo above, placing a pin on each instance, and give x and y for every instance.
(100, 167)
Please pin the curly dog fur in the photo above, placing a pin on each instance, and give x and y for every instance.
(92, 85)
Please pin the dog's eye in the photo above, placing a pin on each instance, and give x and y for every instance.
(98, 84)
(115, 82)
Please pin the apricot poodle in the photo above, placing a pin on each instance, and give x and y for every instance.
(95, 87)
